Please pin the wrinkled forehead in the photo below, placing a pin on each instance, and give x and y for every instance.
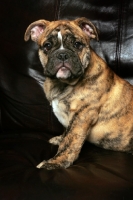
(60, 28)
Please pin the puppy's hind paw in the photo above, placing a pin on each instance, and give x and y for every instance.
(56, 140)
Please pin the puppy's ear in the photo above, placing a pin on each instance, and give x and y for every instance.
(35, 30)
(87, 27)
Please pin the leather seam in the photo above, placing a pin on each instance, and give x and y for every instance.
(119, 34)
(57, 10)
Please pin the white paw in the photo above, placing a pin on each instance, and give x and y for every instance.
(41, 164)
(48, 166)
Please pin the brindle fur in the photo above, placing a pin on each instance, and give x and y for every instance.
(96, 105)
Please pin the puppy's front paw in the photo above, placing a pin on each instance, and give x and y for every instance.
(48, 166)
(41, 164)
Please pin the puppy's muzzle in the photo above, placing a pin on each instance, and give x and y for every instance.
(64, 67)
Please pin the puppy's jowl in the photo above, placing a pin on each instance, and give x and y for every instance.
(90, 101)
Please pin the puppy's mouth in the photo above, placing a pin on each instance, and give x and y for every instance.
(63, 71)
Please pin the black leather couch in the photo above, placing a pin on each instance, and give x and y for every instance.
(27, 121)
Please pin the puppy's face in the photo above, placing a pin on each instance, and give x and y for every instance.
(63, 46)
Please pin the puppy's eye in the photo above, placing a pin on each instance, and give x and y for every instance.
(78, 45)
(47, 46)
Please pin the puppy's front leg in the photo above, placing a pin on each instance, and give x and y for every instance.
(71, 144)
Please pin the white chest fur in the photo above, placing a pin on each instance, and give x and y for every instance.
(59, 112)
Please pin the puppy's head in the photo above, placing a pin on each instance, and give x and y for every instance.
(63, 46)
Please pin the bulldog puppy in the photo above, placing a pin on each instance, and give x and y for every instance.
(87, 97)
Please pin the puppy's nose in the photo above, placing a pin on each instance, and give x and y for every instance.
(63, 56)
